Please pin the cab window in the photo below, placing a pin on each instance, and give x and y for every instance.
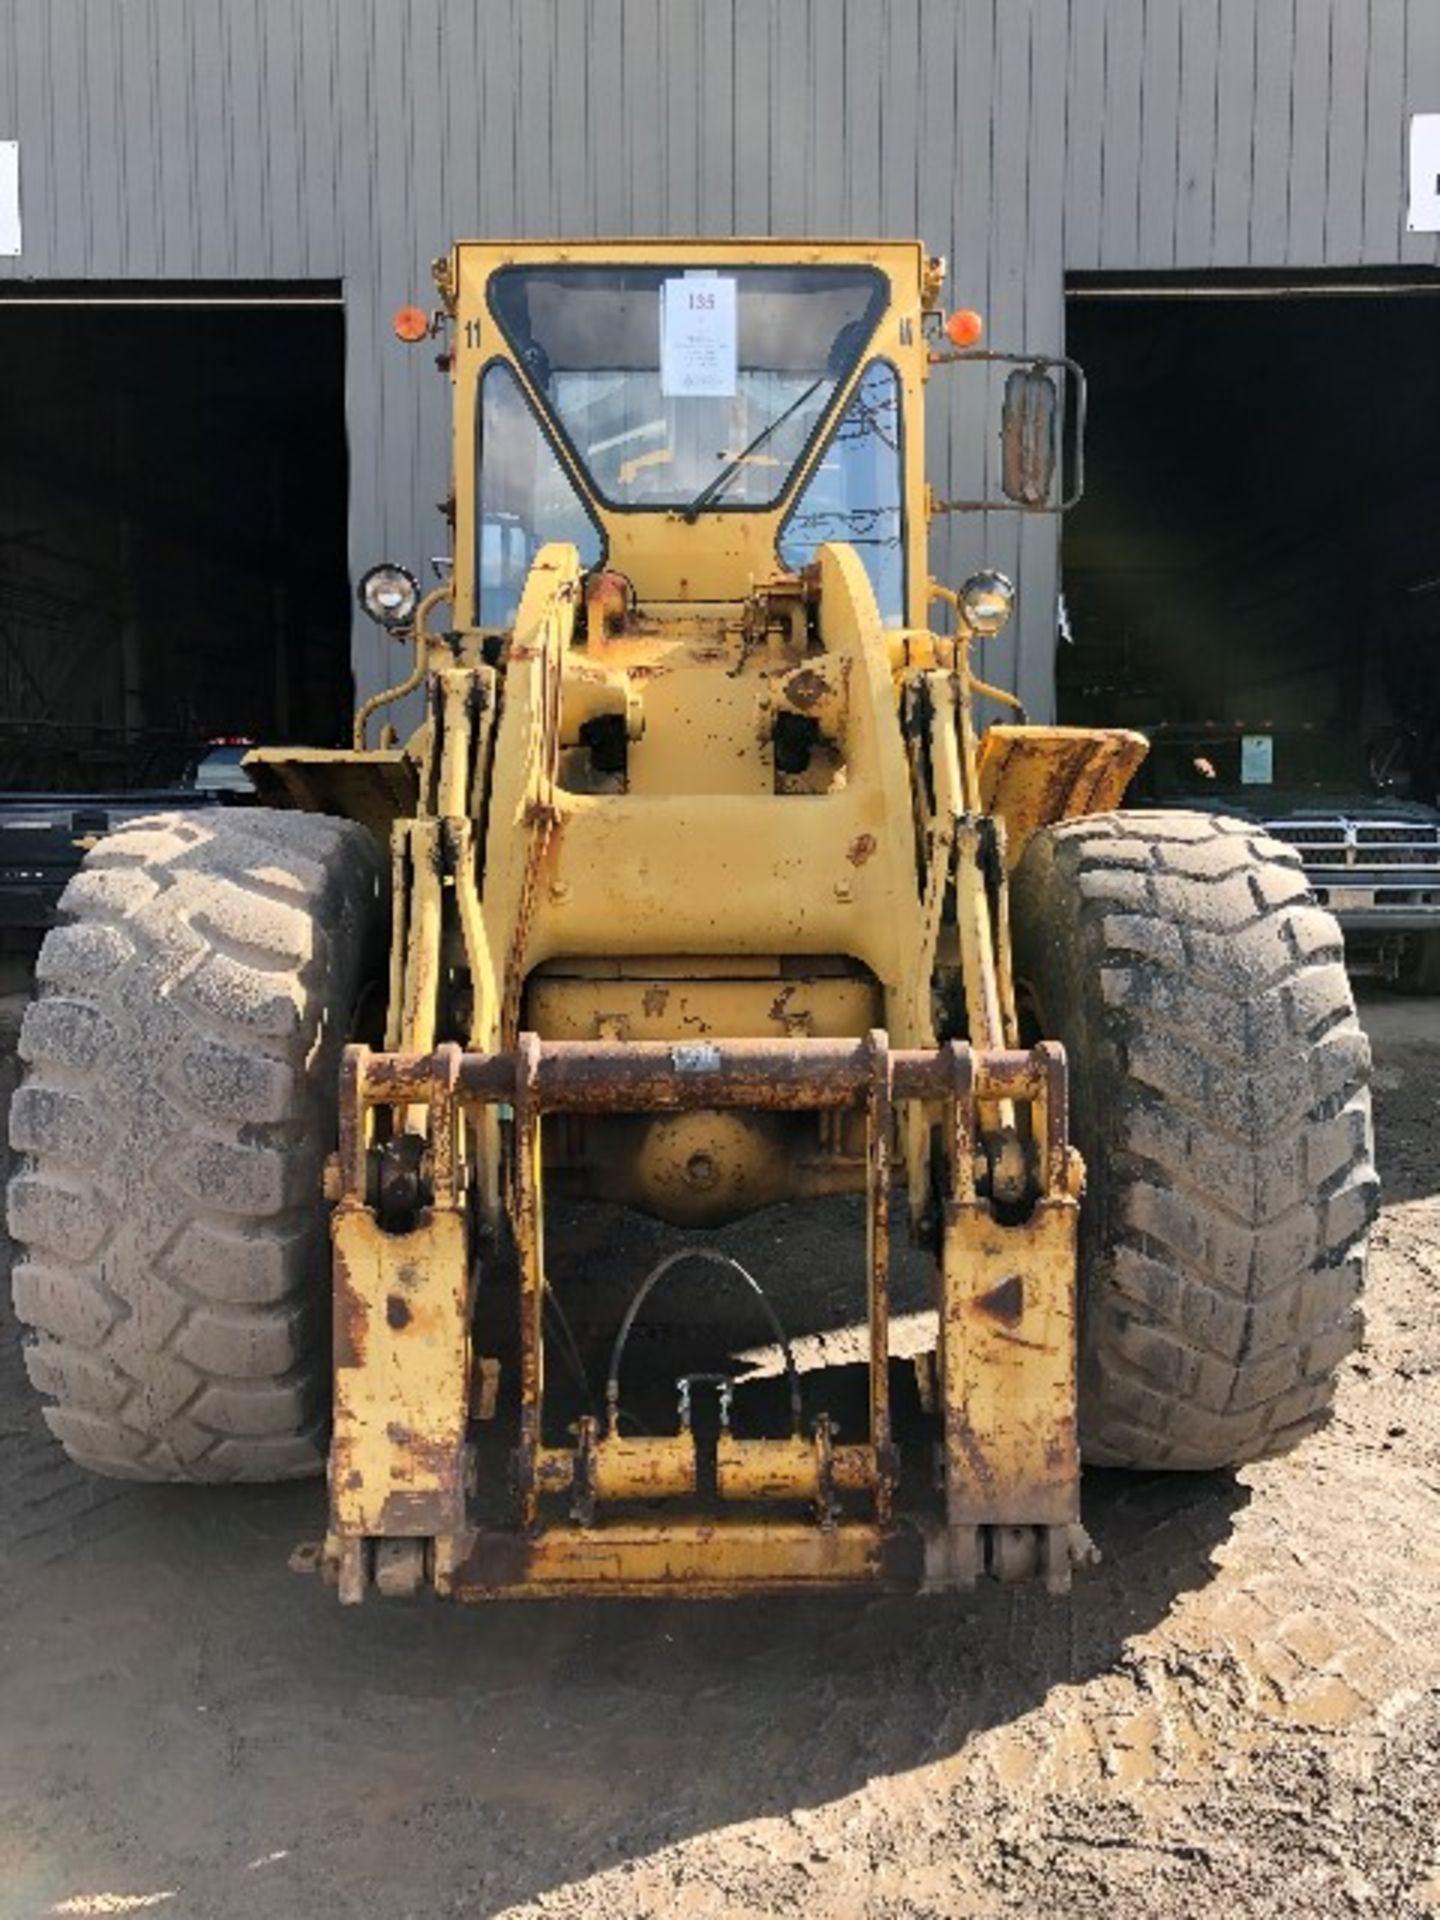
(695, 387)
(854, 493)
(524, 499)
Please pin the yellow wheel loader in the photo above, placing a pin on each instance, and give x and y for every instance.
(699, 887)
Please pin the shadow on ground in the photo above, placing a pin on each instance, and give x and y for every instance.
(183, 1715)
(193, 1716)
(1405, 1032)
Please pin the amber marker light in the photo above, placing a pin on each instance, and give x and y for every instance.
(964, 327)
(411, 324)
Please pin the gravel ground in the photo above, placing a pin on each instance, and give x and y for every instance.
(1238, 1711)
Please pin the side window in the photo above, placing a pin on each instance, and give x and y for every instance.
(854, 493)
(524, 498)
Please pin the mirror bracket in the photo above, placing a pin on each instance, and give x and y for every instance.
(1044, 409)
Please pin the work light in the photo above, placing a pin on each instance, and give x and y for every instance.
(389, 594)
(986, 602)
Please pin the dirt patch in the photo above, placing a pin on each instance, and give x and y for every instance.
(1238, 1712)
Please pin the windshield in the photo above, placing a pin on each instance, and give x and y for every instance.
(687, 386)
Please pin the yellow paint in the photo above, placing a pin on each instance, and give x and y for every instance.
(1007, 1342)
(1031, 776)
(402, 1370)
(713, 887)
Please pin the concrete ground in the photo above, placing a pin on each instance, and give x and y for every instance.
(1238, 1712)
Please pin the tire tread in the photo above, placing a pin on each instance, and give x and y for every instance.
(170, 1129)
(1219, 1091)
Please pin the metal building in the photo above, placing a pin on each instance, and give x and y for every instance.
(341, 143)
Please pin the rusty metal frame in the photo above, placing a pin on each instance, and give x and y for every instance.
(1007, 1322)
(506, 865)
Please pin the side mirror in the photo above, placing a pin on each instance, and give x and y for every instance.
(1042, 432)
(1029, 436)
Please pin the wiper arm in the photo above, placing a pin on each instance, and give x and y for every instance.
(727, 473)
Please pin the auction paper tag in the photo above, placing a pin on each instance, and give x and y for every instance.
(1257, 759)
(1424, 215)
(10, 199)
(698, 349)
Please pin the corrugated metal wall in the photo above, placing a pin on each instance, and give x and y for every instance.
(208, 139)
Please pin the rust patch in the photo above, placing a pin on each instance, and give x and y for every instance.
(412, 1515)
(1026, 1346)
(349, 1335)
(806, 689)
(780, 1005)
(397, 1313)
(655, 1000)
(608, 598)
(961, 1436)
(349, 1317)
(860, 849)
(1060, 1447)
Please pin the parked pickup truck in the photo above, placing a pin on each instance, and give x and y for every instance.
(1376, 865)
(44, 836)
(1372, 857)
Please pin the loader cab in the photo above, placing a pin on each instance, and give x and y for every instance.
(694, 418)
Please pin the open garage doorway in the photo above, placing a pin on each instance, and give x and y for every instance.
(173, 571)
(1253, 577)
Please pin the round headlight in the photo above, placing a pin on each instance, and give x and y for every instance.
(986, 601)
(389, 594)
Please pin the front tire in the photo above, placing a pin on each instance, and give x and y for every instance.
(1219, 1095)
(179, 1099)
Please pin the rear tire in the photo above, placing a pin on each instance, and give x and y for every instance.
(1219, 1095)
(179, 1099)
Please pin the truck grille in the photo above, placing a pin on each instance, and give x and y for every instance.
(1361, 843)
(1370, 873)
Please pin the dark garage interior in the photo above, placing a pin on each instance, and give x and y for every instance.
(173, 566)
(1258, 550)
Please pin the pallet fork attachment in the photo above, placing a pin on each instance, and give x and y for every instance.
(617, 1513)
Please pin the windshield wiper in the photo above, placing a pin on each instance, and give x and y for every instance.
(727, 473)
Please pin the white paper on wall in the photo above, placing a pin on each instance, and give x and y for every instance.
(10, 199)
(1257, 760)
(1424, 173)
(698, 348)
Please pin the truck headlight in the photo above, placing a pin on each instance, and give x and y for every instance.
(389, 594)
(986, 602)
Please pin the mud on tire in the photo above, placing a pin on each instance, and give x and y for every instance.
(1219, 1094)
(178, 1102)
